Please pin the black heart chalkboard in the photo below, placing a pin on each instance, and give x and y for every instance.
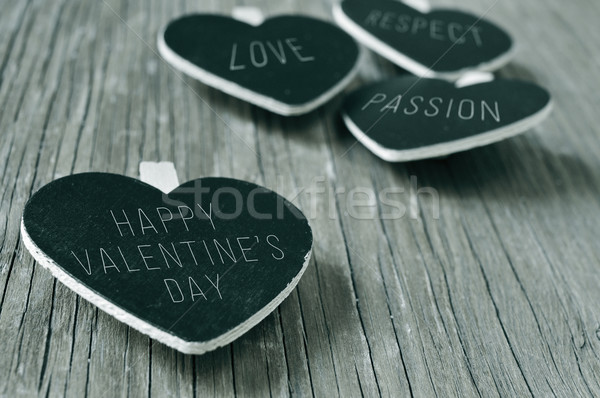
(409, 118)
(288, 65)
(194, 268)
(441, 43)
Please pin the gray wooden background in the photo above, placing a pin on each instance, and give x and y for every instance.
(484, 281)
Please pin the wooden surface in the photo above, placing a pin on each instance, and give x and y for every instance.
(498, 294)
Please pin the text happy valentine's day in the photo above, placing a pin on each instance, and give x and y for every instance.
(209, 253)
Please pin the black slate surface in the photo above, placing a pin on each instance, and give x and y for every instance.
(73, 214)
(292, 59)
(443, 40)
(407, 112)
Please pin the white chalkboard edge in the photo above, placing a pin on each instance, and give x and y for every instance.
(186, 347)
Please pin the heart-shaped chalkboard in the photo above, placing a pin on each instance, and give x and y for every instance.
(441, 43)
(410, 118)
(194, 269)
(289, 64)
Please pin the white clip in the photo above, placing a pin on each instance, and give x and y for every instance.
(419, 5)
(161, 175)
(250, 15)
(474, 77)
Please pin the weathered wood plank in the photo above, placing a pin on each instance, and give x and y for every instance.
(477, 276)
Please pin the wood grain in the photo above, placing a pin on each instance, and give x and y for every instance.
(486, 285)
